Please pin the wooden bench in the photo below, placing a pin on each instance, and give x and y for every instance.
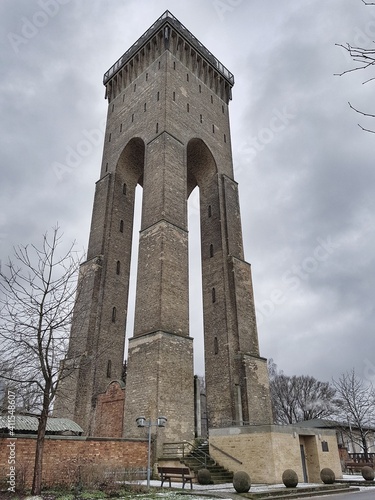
(352, 467)
(181, 473)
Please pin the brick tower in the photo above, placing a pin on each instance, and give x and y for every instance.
(167, 130)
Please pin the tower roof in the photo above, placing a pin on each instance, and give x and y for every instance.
(164, 21)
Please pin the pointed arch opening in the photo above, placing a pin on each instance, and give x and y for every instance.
(202, 199)
(129, 173)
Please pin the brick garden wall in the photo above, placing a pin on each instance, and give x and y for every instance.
(65, 458)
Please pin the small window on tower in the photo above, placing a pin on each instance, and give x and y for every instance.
(213, 292)
(121, 226)
(200, 89)
(212, 100)
(157, 128)
(135, 87)
(174, 64)
(118, 267)
(110, 137)
(133, 117)
(174, 96)
(211, 250)
(209, 211)
(145, 106)
(159, 64)
(113, 314)
(109, 369)
(124, 188)
(106, 167)
(216, 346)
(158, 96)
(187, 77)
(188, 107)
(201, 118)
(146, 77)
(225, 138)
(121, 127)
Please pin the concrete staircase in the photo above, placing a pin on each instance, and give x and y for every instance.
(199, 458)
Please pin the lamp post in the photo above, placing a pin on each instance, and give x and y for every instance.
(142, 422)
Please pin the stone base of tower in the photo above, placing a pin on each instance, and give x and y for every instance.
(160, 382)
(266, 451)
(258, 390)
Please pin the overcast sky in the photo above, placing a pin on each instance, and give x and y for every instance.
(305, 169)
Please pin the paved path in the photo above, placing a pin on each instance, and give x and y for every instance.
(359, 495)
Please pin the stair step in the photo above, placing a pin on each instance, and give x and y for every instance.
(199, 458)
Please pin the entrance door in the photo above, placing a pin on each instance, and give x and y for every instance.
(304, 468)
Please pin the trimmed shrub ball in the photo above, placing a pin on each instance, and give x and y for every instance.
(204, 476)
(241, 482)
(290, 478)
(368, 473)
(327, 476)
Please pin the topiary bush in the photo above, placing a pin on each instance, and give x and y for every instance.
(290, 478)
(241, 482)
(368, 473)
(204, 476)
(327, 476)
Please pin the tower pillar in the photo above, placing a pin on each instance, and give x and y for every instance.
(160, 380)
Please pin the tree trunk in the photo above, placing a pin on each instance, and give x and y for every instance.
(365, 447)
(38, 466)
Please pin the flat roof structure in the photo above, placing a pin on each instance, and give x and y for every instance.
(169, 26)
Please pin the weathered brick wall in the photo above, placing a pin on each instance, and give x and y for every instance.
(109, 413)
(64, 455)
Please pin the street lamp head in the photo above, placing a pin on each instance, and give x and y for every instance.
(141, 421)
(162, 421)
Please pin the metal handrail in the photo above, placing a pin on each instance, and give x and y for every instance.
(226, 454)
(202, 457)
(186, 447)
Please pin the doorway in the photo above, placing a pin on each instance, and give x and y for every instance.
(304, 466)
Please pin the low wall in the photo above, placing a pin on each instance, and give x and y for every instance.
(68, 459)
(264, 452)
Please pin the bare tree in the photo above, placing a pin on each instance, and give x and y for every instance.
(298, 398)
(27, 397)
(365, 60)
(356, 408)
(37, 289)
